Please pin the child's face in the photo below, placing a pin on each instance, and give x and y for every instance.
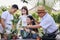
(28, 20)
(23, 11)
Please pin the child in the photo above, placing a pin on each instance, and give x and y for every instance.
(31, 21)
(22, 18)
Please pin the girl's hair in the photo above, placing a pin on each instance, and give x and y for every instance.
(31, 18)
(25, 8)
(33, 23)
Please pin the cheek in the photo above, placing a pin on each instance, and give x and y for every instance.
(13, 11)
(23, 11)
(41, 14)
(28, 21)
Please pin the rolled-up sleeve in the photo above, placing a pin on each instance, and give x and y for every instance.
(45, 23)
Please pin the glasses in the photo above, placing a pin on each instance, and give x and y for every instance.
(40, 11)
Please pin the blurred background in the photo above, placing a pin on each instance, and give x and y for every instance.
(52, 7)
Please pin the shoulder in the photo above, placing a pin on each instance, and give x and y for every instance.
(5, 12)
(48, 18)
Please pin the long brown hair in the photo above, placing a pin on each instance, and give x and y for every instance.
(25, 8)
(33, 23)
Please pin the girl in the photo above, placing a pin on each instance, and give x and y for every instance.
(22, 22)
(23, 17)
(32, 34)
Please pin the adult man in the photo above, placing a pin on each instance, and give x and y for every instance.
(47, 23)
(7, 17)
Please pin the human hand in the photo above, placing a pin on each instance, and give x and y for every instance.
(28, 26)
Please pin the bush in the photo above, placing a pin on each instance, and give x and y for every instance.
(35, 16)
(3, 8)
(56, 17)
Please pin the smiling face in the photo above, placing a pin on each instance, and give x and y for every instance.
(41, 11)
(13, 10)
(23, 11)
(29, 20)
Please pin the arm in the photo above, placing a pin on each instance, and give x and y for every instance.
(3, 18)
(2, 23)
(34, 26)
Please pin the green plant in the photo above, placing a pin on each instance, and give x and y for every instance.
(56, 17)
(16, 18)
(49, 9)
(15, 21)
(3, 8)
(35, 16)
(59, 27)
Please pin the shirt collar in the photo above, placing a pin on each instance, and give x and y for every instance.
(44, 16)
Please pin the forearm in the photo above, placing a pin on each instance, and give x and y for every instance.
(2, 23)
(33, 26)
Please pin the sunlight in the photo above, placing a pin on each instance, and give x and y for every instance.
(57, 6)
(7, 3)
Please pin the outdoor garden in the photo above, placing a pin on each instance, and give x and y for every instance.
(49, 5)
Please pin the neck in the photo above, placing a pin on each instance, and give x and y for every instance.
(10, 12)
(43, 15)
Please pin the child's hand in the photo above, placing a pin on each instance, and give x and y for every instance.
(28, 26)
(27, 30)
(21, 28)
(33, 32)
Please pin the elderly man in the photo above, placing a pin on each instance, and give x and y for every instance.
(47, 23)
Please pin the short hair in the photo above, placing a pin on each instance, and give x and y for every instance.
(15, 6)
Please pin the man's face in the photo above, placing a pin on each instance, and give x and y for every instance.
(13, 10)
(28, 20)
(23, 11)
(41, 13)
